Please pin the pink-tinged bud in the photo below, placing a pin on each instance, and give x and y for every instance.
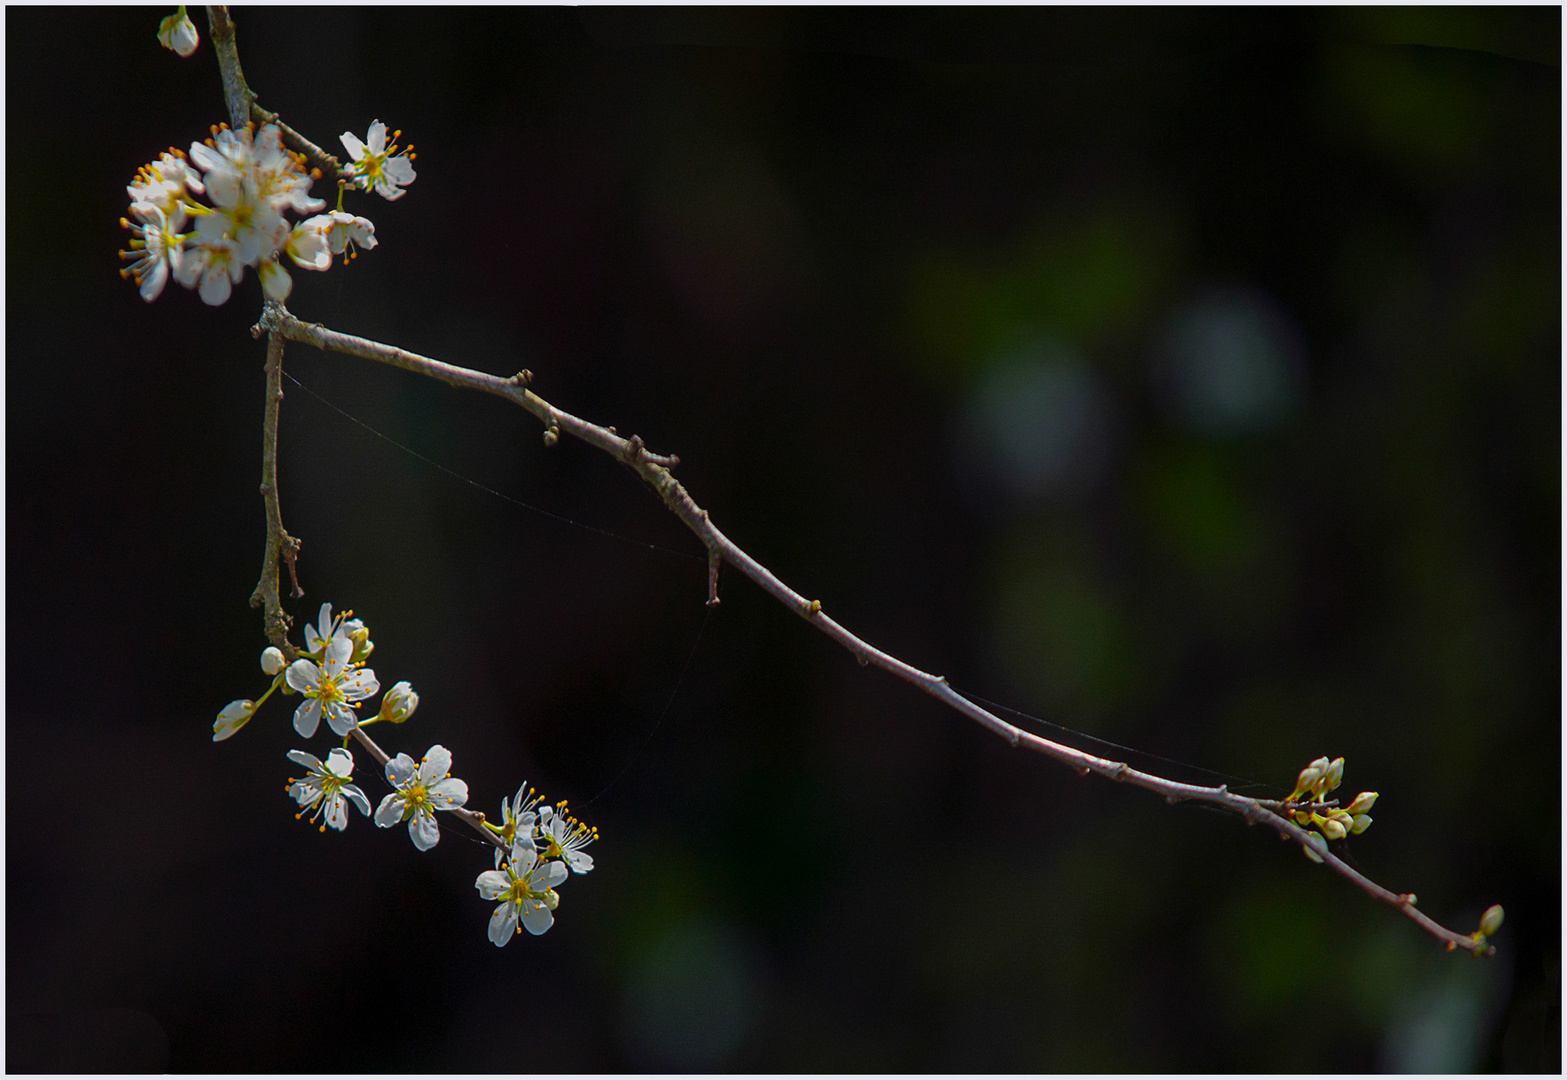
(1491, 921)
(1362, 804)
(178, 33)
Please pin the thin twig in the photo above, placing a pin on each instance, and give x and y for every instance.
(655, 470)
(279, 543)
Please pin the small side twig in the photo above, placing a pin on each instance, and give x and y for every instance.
(655, 470)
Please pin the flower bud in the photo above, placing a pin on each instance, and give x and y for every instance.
(1333, 776)
(235, 715)
(1310, 775)
(1332, 829)
(359, 634)
(1491, 921)
(551, 899)
(1362, 804)
(399, 703)
(1362, 822)
(1315, 847)
(272, 660)
(178, 33)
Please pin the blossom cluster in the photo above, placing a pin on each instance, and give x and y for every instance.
(1333, 823)
(251, 181)
(537, 847)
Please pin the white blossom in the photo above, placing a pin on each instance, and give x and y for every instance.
(349, 232)
(517, 820)
(420, 791)
(156, 252)
(526, 889)
(374, 164)
(164, 184)
(564, 837)
(330, 687)
(327, 788)
(213, 267)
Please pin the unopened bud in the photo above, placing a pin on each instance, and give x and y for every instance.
(1363, 803)
(1310, 775)
(1334, 775)
(1331, 828)
(1362, 823)
(1315, 847)
(399, 703)
(551, 899)
(272, 660)
(1491, 921)
(235, 715)
(178, 33)
(359, 634)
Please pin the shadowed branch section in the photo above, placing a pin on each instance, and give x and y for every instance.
(656, 471)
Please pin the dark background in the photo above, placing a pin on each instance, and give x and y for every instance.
(1189, 378)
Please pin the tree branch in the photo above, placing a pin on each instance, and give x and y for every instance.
(236, 94)
(279, 543)
(655, 470)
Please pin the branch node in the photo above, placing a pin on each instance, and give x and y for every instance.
(1083, 771)
(812, 608)
(551, 436)
(522, 378)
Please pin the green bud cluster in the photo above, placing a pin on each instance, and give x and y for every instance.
(1315, 782)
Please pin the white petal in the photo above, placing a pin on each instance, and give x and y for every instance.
(377, 137)
(307, 717)
(275, 281)
(153, 283)
(359, 685)
(492, 883)
(425, 832)
(215, 287)
(341, 717)
(309, 761)
(548, 876)
(400, 770)
(579, 861)
(357, 797)
(536, 917)
(337, 812)
(437, 763)
(503, 924)
(449, 794)
(303, 675)
(338, 650)
(341, 762)
(400, 171)
(390, 812)
(351, 143)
